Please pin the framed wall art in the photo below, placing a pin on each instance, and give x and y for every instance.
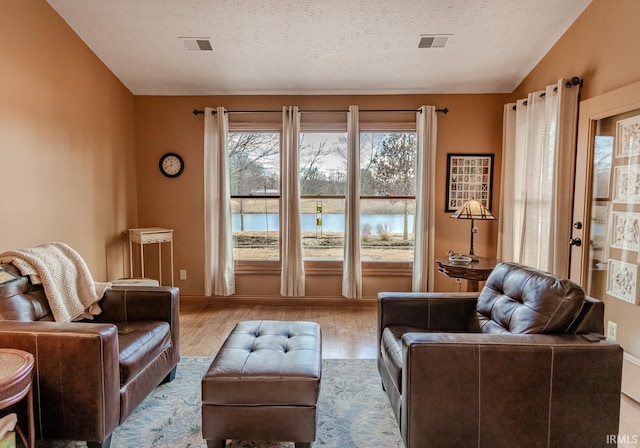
(469, 176)
(622, 280)
(626, 187)
(628, 137)
(625, 231)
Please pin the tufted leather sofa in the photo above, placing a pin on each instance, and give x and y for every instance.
(90, 375)
(518, 364)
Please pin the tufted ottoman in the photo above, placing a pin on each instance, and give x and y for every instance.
(264, 384)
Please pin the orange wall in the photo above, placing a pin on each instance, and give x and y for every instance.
(67, 141)
(474, 124)
(602, 46)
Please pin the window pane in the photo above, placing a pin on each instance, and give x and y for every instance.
(387, 163)
(254, 167)
(322, 222)
(254, 163)
(386, 229)
(323, 175)
(387, 169)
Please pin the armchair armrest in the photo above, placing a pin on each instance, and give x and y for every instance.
(497, 390)
(136, 303)
(76, 375)
(428, 311)
(131, 303)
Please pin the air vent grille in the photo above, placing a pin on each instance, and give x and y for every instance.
(434, 41)
(196, 43)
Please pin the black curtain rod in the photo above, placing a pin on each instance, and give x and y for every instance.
(198, 112)
(575, 81)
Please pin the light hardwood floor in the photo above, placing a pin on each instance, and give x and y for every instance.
(347, 332)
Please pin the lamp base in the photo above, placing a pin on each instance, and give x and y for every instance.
(473, 258)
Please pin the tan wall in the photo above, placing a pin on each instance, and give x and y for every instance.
(66, 141)
(602, 47)
(474, 124)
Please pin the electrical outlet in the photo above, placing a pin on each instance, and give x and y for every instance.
(183, 274)
(612, 330)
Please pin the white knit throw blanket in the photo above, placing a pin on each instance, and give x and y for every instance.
(67, 282)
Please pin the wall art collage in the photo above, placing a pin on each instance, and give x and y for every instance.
(624, 221)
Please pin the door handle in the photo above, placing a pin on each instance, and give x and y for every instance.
(575, 242)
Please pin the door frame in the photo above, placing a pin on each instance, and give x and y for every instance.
(608, 104)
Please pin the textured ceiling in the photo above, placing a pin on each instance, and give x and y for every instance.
(319, 46)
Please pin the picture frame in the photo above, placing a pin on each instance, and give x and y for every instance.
(622, 281)
(469, 176)
(626, 186)
(628, 137)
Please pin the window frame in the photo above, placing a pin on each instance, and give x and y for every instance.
(327, 267)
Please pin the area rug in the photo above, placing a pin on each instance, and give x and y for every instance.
(353, 411)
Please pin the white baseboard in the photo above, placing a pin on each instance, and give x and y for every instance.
(631, 376)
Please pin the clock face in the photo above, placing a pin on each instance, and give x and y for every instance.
(171, 164)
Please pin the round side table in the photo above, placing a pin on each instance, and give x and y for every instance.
(16, 367)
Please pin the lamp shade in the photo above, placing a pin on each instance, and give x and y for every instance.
(473, 209)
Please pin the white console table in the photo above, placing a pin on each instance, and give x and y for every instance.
(150, 235)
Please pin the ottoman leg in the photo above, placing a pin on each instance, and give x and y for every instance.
(216, 443)
(303, 444)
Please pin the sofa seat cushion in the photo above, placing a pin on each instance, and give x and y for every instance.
(521, 300)
(140, 342)
(391, 350)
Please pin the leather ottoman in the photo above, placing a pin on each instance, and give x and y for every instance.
(263, 384)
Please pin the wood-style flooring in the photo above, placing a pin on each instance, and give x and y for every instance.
(347, 332)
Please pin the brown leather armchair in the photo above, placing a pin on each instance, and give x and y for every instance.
(90, 375)
(519, 364)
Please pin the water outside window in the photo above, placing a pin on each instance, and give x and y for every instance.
(387, 204)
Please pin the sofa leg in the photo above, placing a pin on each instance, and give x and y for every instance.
(105, 444)
(216, 443)
(303, 444)
(170, 376)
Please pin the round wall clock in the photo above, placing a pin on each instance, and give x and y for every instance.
(171, 164)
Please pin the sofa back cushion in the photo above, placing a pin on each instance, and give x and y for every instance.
(521, 300)
(20, 300)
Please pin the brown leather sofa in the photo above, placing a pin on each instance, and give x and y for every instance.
(90, 375)
(518, 364)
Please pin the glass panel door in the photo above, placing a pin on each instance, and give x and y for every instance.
(614, 224)
(606, 215)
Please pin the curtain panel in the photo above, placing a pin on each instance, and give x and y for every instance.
(219, 275)
(538, 158)
(292, 277)
(424, 252)
(352, 266)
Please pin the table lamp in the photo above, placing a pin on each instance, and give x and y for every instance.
(473, 209)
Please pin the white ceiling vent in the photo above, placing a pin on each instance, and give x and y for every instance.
(434, 40)
(196, 43)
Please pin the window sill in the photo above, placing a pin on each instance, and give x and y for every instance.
(328, 267)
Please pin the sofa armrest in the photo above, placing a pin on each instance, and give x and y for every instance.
(76, 375)
(497, 390)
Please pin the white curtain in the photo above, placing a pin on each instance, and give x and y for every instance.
(219, 275)
(352, 268)
(538, 158)
(292, 278)
(424, 224)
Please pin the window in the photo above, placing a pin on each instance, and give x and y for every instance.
(387, 195)
(387, 201)
(323, 176)
(254, 168)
